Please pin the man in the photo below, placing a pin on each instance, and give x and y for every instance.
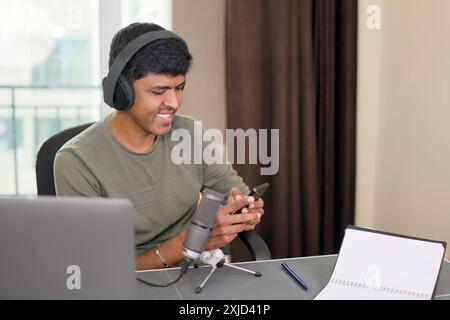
(128, 155)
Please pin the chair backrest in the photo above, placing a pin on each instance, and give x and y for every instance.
(46, 157)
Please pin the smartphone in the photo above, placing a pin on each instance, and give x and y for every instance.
(257, 192)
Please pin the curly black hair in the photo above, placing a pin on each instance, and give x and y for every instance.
(164, 56)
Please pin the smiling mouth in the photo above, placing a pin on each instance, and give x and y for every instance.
(165, 117)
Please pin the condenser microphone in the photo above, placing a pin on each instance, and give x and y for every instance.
(201, 224)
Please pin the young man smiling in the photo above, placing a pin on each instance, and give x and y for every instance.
(128, 155)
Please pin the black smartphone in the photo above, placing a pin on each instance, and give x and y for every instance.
(257, 192)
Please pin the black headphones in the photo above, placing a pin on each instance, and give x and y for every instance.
(117, 90)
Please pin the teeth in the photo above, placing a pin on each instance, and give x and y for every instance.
(164, 116)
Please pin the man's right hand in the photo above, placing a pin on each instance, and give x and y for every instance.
(227, 225)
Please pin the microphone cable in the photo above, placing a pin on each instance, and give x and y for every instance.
(184, 268)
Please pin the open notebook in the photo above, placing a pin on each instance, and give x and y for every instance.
(377, 265)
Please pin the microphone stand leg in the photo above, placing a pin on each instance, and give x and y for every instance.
(200, 287)
(216, 259)
(255, 273)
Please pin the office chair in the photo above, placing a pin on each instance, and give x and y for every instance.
(46, 157)
(46, 186)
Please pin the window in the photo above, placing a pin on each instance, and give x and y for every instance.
(49, 80)
(54, 54)
(155, 11)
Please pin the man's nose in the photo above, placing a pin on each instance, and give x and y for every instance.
(173, 99)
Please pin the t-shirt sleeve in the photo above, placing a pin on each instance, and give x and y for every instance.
(222, 177)
(218, 174)
(73, 178)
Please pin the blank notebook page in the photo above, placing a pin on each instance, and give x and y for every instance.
(374, 265)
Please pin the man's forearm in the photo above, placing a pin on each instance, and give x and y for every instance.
(171, 252)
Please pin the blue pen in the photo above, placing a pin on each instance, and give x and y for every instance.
(294, 275)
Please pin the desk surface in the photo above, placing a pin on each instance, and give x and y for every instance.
(274, 284)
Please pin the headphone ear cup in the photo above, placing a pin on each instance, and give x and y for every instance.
(123, 95)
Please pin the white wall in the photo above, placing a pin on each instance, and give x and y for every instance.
(403, 165)
(202, 24)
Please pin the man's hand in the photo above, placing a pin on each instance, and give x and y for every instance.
(227, 225)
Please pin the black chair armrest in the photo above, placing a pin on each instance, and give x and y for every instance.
(256, 245)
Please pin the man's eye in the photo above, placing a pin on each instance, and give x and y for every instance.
(158, 93)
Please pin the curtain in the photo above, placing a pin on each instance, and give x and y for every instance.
(291, 65)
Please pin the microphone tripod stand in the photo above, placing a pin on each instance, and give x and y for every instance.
(216, 259)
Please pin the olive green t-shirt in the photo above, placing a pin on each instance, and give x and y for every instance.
(164, 194)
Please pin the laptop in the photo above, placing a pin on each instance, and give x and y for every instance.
(66, 248)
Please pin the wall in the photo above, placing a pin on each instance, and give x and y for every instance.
(202, 24)
(403, 167)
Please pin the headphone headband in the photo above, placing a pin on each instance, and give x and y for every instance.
(125, 55)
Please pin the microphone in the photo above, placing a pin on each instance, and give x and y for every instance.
(201, 225)
(198, 232)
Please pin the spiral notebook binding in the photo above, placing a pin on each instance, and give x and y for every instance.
(379, 288)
